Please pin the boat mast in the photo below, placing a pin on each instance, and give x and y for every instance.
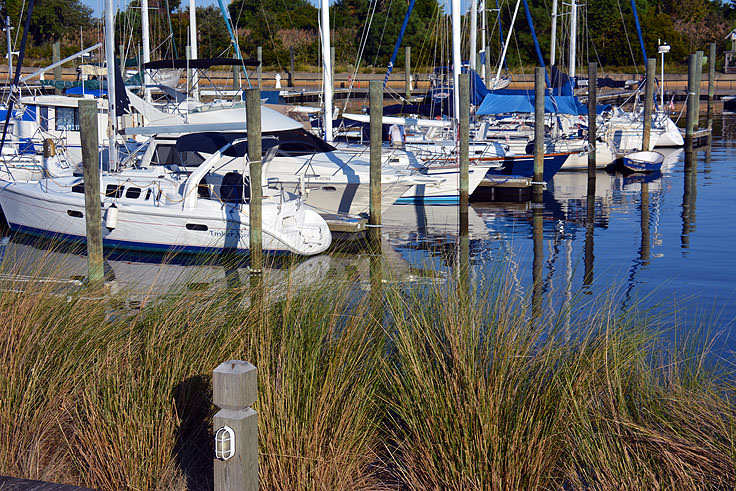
(553, 35)
(506, 44)
(146, 40)
(110, 60)
(193, 46)
(326, 69)
(573, 41)
(473, 32)
(10, 49)
(483, 40)
(456, 61)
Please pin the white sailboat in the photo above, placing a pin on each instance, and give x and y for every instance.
(152, 210)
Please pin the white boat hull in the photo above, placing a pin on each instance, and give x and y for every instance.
(210, 227)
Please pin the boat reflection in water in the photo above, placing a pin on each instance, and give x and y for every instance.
(27, 259)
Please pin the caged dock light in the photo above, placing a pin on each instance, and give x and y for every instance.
(224, 443)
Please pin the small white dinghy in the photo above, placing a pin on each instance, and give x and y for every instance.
(647, 161)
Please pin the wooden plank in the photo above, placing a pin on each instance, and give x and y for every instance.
(506, 182)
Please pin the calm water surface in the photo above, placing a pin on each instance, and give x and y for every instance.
(665, 242)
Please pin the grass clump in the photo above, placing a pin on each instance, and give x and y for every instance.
(402, 387)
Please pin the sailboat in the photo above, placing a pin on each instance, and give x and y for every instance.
(155, 208)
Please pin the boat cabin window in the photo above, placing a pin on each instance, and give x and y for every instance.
(44, 121)
(67, 119)
(148, 194)
(133, 193)
(114, 190)
(78, 188)
(291, 142)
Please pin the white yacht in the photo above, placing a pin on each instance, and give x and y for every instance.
(153, 209)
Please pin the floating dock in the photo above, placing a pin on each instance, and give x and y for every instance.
(346, 227)
(513, 188)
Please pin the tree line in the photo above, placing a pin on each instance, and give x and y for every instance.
(364, 31)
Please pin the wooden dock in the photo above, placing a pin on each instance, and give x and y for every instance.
(504, 188)
(700, 136)
(346, 228)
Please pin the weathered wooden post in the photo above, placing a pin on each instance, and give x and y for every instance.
(711, 84)
(236, 78)
(376, 137)
(291, 66)
(234, 391)
(464, 141)
(648, 104)
(55, 58)
(188, 54)
(259, 55)
(332, 65)
(699, 76)
(253, 126)
(539, 86)
(487, 80)
(592, 122)
(463, 154)
(91, 163)
(691, 103)
(407, 73)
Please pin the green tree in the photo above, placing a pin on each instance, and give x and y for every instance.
(52, 20)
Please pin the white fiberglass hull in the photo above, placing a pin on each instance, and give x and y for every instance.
(142, 224)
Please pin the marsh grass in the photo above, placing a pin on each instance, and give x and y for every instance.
(410, 387)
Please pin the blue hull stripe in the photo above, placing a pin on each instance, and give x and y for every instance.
(129, 245)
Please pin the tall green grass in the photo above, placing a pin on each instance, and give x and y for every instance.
(409, 387)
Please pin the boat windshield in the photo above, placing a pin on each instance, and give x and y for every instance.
(291, 143)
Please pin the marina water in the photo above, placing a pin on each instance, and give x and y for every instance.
(661, 242)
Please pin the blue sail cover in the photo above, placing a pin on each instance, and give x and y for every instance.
(496, 103)
(522, 101)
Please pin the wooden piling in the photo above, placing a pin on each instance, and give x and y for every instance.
(236, 78)
(55, 58)
(539, 88)
(648, 104)
(691, 103)
(376, 140)
(91, 163)
(407, 72)
(592, 120)
(291, 66)
(699, 77)
(332, 65)
(488, 65)
(234, 391)
(259, 55)
(188, 54)
(464, 141)
(253, 125)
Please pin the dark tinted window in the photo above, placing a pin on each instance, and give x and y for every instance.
(114, 190)
(133, 193)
